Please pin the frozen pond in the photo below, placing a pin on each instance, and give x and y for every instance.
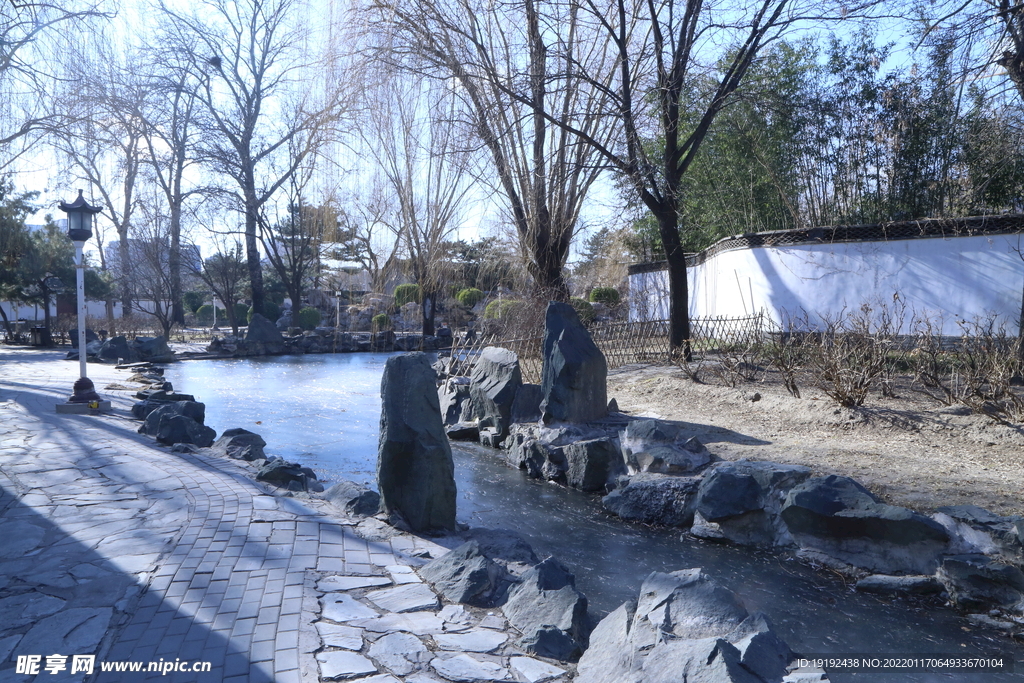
(324, 411)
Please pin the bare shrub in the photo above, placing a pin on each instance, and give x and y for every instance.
(854, 352)
(977, 369)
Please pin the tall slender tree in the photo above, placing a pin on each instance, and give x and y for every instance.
(518, 69)
(269, 105)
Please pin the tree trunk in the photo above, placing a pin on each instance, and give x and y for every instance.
(678, 286)
(174, 263)
(46, 311)
(7, 324)
(252, 251)
(429, 308)
(109, 307)
(125, 253)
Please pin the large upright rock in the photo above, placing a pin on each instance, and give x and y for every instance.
(263, 332)
(575, 372)
(415, 472)
(492, 388)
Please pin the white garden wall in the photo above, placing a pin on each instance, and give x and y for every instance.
(946, 279)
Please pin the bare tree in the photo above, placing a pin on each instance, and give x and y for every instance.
(675, 69)
(368, 231)
(226, 274)
(105, 142)
(294, 243)
(521, 101)
(170, 131)
(32, 35)
(420, 151)
(269, 105)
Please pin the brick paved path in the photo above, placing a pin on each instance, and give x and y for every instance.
(113, 546)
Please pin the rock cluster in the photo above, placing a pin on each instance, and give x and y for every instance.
(496, 568)
(119, 350)
(685, 627)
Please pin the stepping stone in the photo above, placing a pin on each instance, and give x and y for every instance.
(466, 669)
(399, 653)
(334, 635)
(493, 621)
(455, 617)
(477, 640)
(402, 574)
(533, 670)
(347, 583)
(344, 665)
(412, 597)
(382, 678)
(420, 623)
(344, 608)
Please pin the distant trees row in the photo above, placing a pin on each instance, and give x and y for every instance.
(368, 135)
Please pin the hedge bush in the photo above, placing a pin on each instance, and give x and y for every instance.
(204, 315)
(500, 309)
(271, 312)
(469, 297)
(381, 321)
(583, 309)
(609, 296)
(308, 318)
(407, 293)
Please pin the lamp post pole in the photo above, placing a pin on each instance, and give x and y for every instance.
(80, 280)
(80, 215)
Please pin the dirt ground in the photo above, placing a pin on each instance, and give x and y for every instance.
(909, 450)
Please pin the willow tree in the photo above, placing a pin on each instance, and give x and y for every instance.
(420, 154)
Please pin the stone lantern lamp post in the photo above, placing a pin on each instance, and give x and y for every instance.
(80, 215)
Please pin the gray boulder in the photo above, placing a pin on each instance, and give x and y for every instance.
(978, 583)
(683, 626)
(90, 336)
(453, 395)
(240, 444)
(353, 499)
(463, 575)
(463, 431)
(840, 518)
(525, 451)
(550, 613)
(165, 395)
(592, 464)
(288, 475)
(526, 406)
(741, 502)
(663, 447)
(976, 530)
(117, 349)
(415, 472)
(191, 409)
(493, 385)
(175, 429)
(655, 499)
(264, 335)
(152, 349)
(574, 378)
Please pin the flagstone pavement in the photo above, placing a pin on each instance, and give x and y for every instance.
(115, 547)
